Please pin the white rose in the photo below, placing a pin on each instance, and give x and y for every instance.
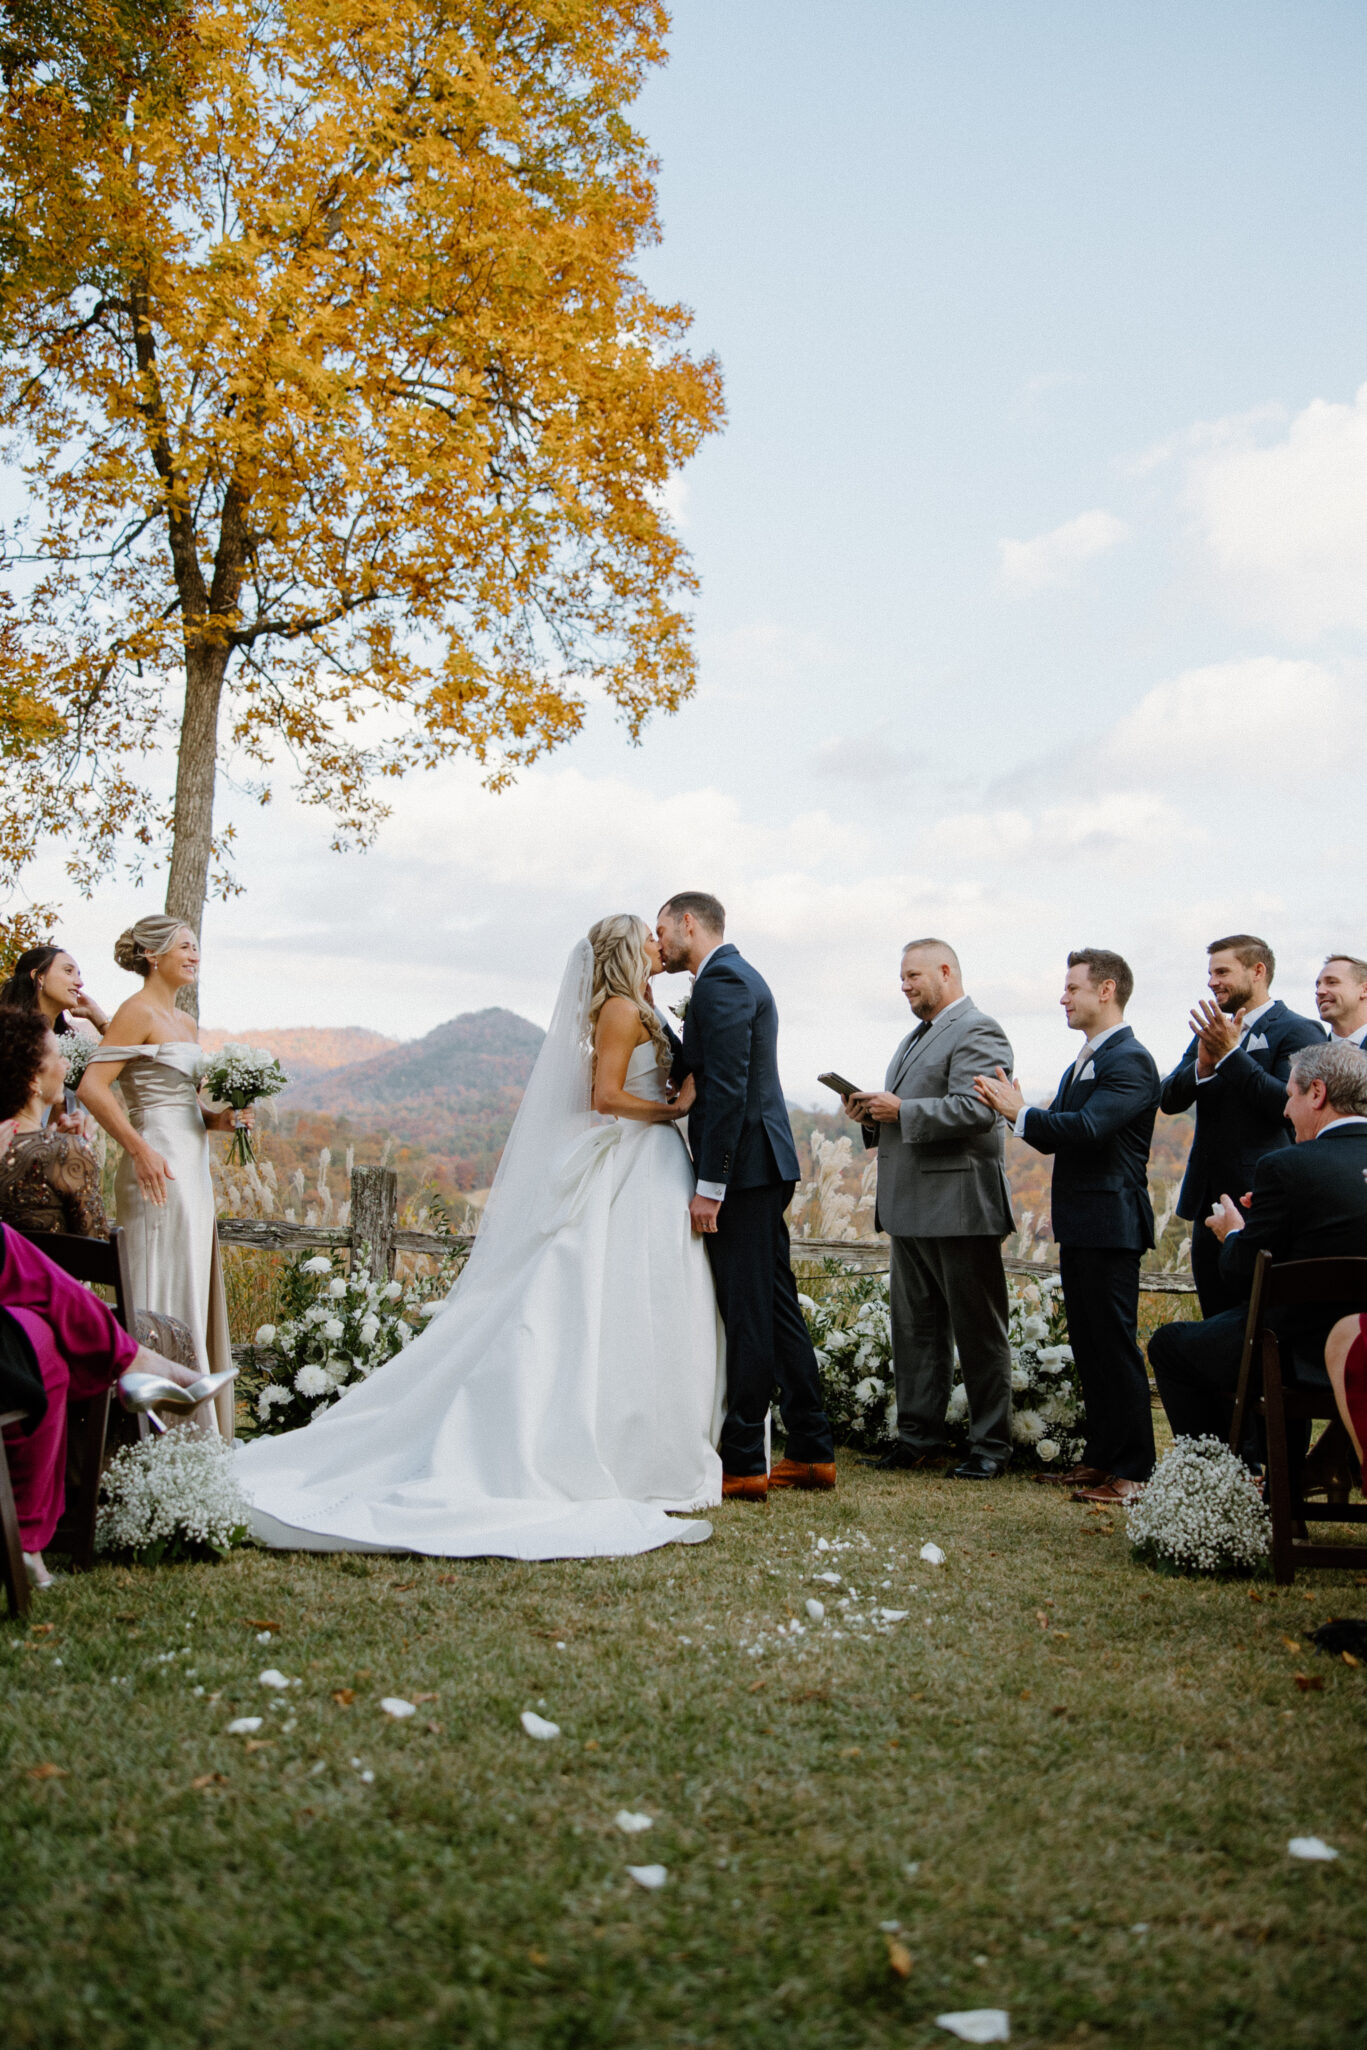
(337, 1286)
(319, 1264)
(392, 1291)
(370, 1330)
(1046, 1448)
(315, 1314)
(1034, 1328)
(265, 1334)
(1020, 1380)
(333, 1327)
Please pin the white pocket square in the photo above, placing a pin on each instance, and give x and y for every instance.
(1088, 1073)
(1258, 1039)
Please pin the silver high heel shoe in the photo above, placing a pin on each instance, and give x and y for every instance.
(208, 1385)
(138, 1393)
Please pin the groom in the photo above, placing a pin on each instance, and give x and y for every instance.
(746, 1166)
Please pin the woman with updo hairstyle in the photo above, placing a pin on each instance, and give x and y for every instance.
(163, 1189)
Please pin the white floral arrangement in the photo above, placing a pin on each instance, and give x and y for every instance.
(337, 1329)
(1200, 1512)
(851, 1329)
(680, 1010)
(77, 1048)
(174, 1497)
(242, 1075)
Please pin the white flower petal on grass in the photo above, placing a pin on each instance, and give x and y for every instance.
(537, 1726)
(894, 1615)
(1313, 1848)
(650, 1877)
(395, 1705)
(272, 1677)
(243, 1726)
(815, 1609)
(831, 1579)
(630, 1823)
(933, 1556)
(977, 2024)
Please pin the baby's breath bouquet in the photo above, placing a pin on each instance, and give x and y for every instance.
(77, 1048)
(174, 1497)
(850, 1322)
(336, 1328)
(242, 1075)
(1201, 1512)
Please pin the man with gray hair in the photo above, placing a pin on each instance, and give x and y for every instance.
(1309, 1201)
(944, 1200)
(1341, 998)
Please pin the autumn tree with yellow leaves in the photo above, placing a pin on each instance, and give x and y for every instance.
(343, 413)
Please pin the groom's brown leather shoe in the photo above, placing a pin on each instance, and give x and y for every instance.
(745, 1487)
(800, 1473)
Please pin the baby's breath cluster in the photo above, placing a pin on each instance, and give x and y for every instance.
(336, 1329)
(851, 1327)
(77, 1048)
(171, 1497)
(1201, 1512)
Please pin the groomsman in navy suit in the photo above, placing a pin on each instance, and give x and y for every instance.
(1341, 998)
(1099, 1128)
(1234, 1072)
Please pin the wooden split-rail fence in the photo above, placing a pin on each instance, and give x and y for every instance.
(374, 1232)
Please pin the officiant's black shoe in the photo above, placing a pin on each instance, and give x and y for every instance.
(978, 1467)
(903, 1457)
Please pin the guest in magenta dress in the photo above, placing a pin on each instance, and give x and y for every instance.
(1345, 1358)
(59, 1342)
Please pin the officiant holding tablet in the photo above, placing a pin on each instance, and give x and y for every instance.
(944, 1201)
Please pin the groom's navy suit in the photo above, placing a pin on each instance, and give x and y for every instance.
(740, 1136)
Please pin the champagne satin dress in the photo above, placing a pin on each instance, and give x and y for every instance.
(174, 1250)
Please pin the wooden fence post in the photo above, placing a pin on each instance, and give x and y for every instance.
(375, 1217)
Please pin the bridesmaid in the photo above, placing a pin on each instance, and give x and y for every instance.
(47, 980)
(163, 1188)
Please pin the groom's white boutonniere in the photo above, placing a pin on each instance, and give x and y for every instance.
(680, 1009)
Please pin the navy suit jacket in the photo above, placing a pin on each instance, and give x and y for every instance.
(1309, 1203)
(738, 1128)
(1099, 1132)
(1240, 1111)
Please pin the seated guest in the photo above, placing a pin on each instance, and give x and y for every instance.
(58, 1343)
(1341, 997)
(50, 1179)
(1309, 1201)
(1345, 1361)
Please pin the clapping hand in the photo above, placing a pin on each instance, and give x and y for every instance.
(1224, 1218)
(1001, 1094)
(1217, 1033)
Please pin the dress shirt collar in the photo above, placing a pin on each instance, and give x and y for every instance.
(1100, 1040)
(1251, 1017)
(1356, 1038)
(706, 958)
(928, 1022)
(1334, 1125)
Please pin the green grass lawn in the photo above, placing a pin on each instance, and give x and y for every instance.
(1071, 1782)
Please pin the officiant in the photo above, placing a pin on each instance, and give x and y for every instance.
(944, 1201)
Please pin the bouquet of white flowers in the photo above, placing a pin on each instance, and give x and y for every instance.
(336, 1329)
(242, 1075)
(1201, 1512)
(174, 1497)
(77, 1048)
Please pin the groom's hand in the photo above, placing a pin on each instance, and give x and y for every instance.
(702, 1213)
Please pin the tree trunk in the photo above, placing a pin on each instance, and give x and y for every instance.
(192, 831)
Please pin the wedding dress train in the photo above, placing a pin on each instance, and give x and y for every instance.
(569, 1396)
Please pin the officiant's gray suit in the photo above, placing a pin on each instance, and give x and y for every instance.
(943, 1199)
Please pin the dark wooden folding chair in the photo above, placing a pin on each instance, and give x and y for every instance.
(1264, 1391)
(11, 1550)
(104, 1263)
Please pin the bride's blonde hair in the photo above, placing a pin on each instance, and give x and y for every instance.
(620, 969)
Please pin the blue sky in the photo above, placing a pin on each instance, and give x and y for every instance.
(1034, 554)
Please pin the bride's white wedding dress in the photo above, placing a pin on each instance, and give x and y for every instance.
(569, 1395)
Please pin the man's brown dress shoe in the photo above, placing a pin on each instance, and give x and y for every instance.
(1113, 1493)
(1076, 1477)
(800, 1473)
(745, 1487)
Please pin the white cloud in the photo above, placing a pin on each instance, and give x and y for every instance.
(1050, 559)
(1137, 825)
(1280, 720)
(1283, 527)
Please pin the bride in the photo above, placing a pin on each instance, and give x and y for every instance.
(566, 1402)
